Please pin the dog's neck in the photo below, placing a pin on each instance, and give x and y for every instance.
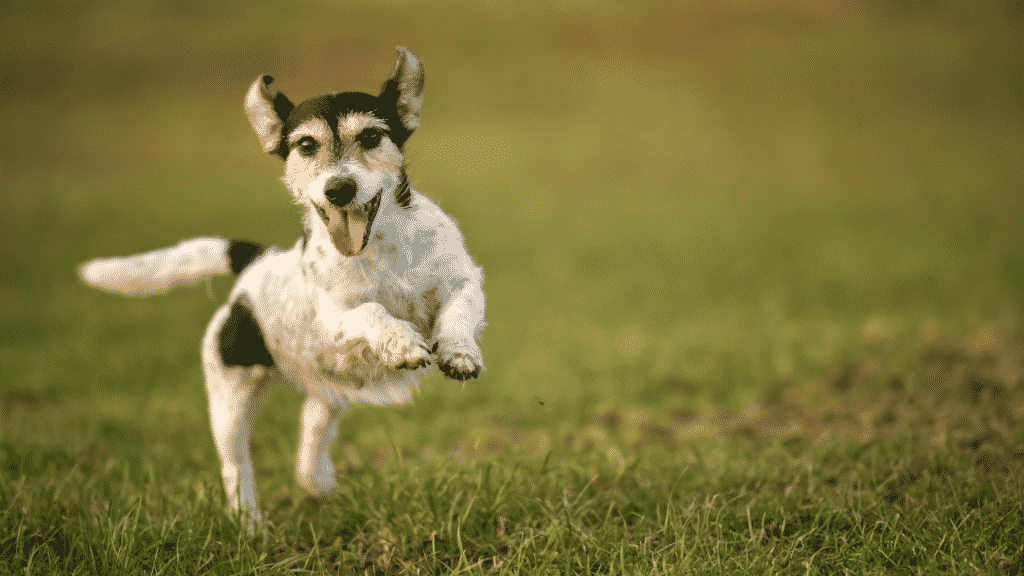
(325, 265)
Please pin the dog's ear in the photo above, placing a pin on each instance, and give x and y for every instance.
(267, 110)
(405, 89)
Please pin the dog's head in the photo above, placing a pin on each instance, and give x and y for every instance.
(343, 151)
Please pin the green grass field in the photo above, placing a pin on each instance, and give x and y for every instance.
(754, 272)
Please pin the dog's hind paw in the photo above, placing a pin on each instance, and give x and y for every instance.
(459, 363)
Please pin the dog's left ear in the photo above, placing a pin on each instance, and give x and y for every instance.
(267, 110)
(405, 88)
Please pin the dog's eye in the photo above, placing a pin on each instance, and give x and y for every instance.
(369, 138)
(307, 146)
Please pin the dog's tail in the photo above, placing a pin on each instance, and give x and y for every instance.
(160, 270)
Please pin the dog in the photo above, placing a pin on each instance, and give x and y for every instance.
(379, 286)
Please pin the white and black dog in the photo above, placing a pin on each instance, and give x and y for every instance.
(379, 285)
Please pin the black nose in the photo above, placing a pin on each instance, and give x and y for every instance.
(340, 191)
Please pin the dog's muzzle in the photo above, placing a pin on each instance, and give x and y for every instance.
(348, 223)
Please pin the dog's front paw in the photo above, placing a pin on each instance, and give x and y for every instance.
(401, 346)
(459, 361)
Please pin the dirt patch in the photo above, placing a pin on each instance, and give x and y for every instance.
(966, 395)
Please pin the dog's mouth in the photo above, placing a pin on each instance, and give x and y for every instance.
(350, 225)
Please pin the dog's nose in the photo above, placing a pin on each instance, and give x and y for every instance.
(340, 191)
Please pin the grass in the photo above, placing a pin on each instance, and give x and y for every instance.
(753, 274)
(877, 509)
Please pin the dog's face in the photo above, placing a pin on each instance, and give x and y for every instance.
(340, 162)
(343, 151)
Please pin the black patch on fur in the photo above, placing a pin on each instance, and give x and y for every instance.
(456, 374)
(241, 341)
(241, 253)
(333, 106)
(403, 193)
(282, 107)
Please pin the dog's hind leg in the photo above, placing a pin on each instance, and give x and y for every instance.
(235, 394)
(313, 465)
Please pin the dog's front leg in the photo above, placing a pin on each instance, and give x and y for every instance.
(395, 342)
(457, 328)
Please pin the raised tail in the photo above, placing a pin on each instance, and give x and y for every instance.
(160, 270)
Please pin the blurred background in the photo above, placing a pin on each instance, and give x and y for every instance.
(717, 195)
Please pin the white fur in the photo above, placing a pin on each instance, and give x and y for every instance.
(337, 326)
(343, 328)
(159, 270)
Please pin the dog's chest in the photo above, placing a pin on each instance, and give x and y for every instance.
(293, 295)
(380, 274)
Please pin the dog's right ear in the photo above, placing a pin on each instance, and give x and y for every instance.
(267, 110)
(405, 89)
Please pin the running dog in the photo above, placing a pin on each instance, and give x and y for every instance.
(378, 287)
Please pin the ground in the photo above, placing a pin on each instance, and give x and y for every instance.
(753, 270)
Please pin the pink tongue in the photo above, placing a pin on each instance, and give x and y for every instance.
(349, 230)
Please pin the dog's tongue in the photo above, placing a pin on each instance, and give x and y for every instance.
(350, 231)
